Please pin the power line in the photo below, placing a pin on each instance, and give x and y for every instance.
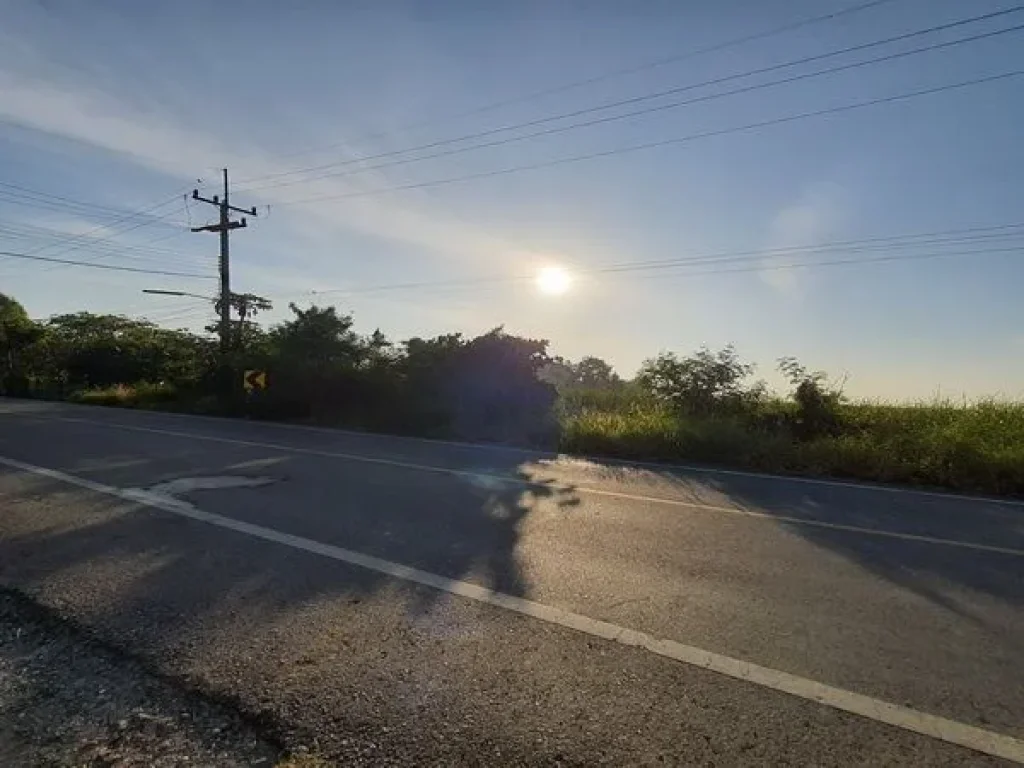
(875, 260)
(799, 24)
(849, 246)
(685, 55)
(61, 200)
(655, 95)
(126, 250)
(905, 96)
(939, 238)
(76, 242)
(94, 265)
(54, 206)
(86, 239)
(659, 108)
(192, 311)
(109, 228)
(90, 245)
(761, 267)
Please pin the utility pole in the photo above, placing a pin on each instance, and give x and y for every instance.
(224, 227)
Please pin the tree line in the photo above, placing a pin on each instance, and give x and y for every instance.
(704, 406)
(319, 369)
(495, 386)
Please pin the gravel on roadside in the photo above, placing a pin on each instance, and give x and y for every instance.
(65, 700)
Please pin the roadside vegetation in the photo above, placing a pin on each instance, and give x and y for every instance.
(704, 407)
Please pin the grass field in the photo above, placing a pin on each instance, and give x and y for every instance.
(969, 447)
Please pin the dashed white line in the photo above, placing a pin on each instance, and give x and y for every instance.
(951, 731)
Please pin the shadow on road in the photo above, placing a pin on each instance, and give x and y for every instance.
(131, 568)
(320, 650)
(931, 570)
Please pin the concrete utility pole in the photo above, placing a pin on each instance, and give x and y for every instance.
(224, 227)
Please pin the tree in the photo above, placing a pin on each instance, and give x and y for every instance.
(590, 373)
(314, 360)
(380, 351)
(245, 334)
(317, 338)
(492, 389)
(817, 401)
(17, 333)
(595, 373)
(485, 388)
(703, 383)
(559, 373)
(89, 350)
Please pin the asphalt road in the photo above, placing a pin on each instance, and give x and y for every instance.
(384, 599)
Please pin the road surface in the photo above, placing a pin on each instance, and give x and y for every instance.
(404, 601)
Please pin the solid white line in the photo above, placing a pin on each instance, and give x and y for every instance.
(654, 465)
(788, 520)
(951, 731)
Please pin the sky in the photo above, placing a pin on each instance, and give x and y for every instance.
(115, 111)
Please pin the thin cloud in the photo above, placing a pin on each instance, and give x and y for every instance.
(169, 145)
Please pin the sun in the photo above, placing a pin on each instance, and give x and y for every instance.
(553, 281)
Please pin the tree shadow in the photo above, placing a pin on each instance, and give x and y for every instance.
(824, 514)
(159, 582)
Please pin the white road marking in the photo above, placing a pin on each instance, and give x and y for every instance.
(944, 729)
(182, 485)
(475, 477)
(660, 466)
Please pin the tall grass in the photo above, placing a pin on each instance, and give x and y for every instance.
(140, 395)
(969, 447)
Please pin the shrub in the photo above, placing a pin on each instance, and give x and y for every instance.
(817, 404)
(141, 395)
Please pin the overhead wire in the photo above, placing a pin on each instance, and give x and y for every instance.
(838, 262)
(95, 265)
(61, 201)
(195, 310)
(53, 206)
(743, 268)
(648, 110)
(634, 69)
(79, 241)
(647, 97)
(676, 58)
(112, 229)
(87, 240)
(937, 239)
(145, 250)
(629, 148)
(848, 246)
